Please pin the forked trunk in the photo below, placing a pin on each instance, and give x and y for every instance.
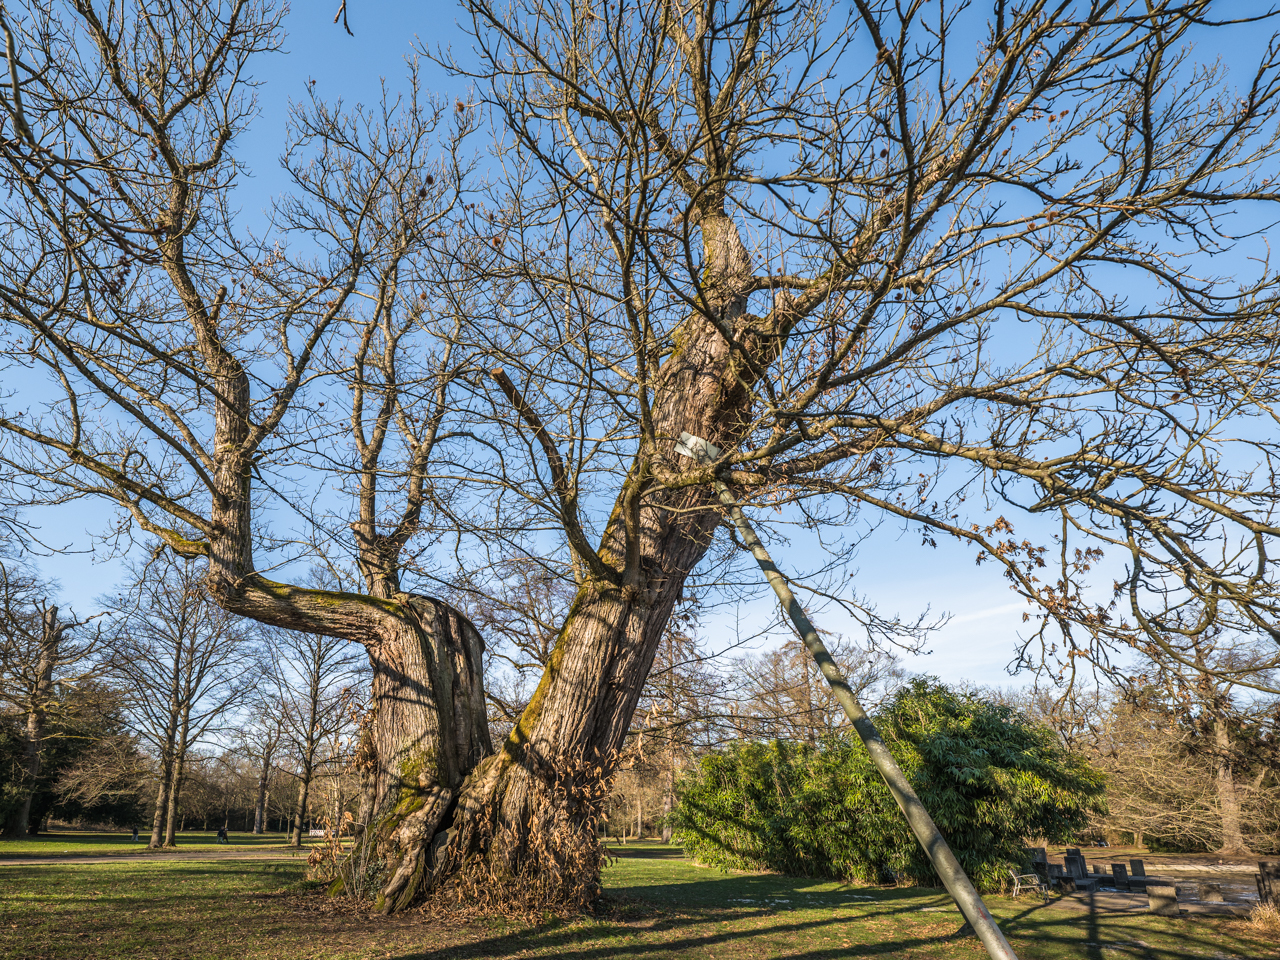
(441, 806)
(524, 828)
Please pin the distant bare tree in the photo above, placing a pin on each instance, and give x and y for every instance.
(688, 706)
(518, 603)
(261, 739)
(112, 770)
(1233, 739)
(184, 664)
(311, 676)
(38, 654)
(1189, 761)
(782, 695)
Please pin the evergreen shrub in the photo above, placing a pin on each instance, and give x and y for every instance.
(990, 778)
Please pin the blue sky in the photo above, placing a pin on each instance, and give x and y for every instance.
(980, 638)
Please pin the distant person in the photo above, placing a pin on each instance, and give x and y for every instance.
(222, 834)
(135, 834)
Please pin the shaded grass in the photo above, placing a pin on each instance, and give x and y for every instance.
(658, 906)
(100, 844)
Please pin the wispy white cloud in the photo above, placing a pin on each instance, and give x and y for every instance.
(989, 612)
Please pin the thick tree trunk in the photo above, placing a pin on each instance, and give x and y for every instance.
(429, 731)
(527, 817)
(1228, 797)
(260, 805)
(428, 728)
(175, 795)
(300, 808)
(525, 824)
(524, 819)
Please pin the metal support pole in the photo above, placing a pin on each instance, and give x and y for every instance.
(926, 831)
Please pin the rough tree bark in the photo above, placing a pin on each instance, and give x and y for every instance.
(51, 632)
(1228, 797)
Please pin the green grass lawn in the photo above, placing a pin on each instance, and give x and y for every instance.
(663, 907)
(82, 843)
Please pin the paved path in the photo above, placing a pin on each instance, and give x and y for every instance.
(1111, 901)
(35, 860)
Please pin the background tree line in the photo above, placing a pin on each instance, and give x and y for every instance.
(163, 712)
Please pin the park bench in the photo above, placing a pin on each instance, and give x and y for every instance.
(1029, 881)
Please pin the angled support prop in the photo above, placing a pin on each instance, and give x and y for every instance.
(926, 831)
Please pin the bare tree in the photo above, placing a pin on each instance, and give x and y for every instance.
(311, 677)
(782, 695)
(1189, 761)
(881, 286)
(886, 287)
(194, 358)
(261, 738)
(1219, 730)
(184, 663)
(37, 656)
(687, 707)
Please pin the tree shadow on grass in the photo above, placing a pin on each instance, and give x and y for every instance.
(661, 939)
(645, 852)
(1096, 934)
(707, 920)
(691, 917)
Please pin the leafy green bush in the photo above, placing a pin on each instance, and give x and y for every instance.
(990, 778)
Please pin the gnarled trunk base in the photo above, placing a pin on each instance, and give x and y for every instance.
(520, 831)
(526, 838)
(426, 732)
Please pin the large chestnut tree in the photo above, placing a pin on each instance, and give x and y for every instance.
(893, 260)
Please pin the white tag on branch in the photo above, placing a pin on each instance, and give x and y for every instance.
(696, 448)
